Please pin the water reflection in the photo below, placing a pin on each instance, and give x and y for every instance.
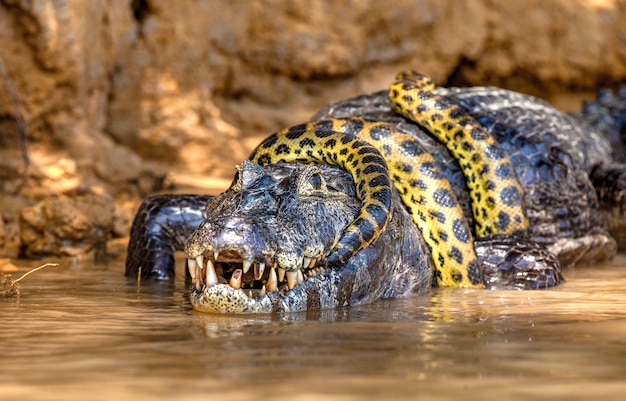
(86, 329)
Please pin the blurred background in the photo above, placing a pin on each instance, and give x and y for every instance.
(105, 102)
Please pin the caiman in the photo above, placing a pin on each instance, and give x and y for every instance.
(387, 194)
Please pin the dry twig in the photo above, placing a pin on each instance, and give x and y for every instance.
(13, 285)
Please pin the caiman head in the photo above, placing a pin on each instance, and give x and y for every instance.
(264, 241)
(267, 232)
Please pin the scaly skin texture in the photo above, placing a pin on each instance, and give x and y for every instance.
(490, 176)
(265, 243)
(290, 211)
(415, 174)
(553, 156)
(315, 142)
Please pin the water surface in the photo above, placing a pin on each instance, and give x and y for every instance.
(82, 332)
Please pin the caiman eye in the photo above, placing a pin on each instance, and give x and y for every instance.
(312, 184)
(316, 182)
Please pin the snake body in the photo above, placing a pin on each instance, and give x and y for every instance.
(494, 188)
(495, 191)
(480, 174)
(315, 142)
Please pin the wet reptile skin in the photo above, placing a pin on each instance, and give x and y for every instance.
(316, 142)
(415, 173)
(496, 194)
(490, 176)
(553, 155)
(559, 160)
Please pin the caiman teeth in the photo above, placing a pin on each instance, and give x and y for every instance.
(272, 281)
(246, 266)
(204, 274)
(235, 280)
(192, 266)
(299, 277)
(281, 274)
(259, 268)
(211, 276)
(198, 263)
(292, 278)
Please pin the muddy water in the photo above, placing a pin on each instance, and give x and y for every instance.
(84, 333)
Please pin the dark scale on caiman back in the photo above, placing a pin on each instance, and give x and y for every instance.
(490, 187)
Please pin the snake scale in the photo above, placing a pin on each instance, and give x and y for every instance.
(409, 186)
(347, 143)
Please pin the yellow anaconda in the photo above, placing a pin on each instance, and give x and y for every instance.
(415, 173)
(494, 188)
(312, 142)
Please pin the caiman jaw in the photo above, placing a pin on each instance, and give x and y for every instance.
(254, 279)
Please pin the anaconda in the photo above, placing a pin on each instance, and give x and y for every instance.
(516, 172)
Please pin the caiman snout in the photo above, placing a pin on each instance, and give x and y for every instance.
(267, 235)
(235, 252)
(229, 236)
